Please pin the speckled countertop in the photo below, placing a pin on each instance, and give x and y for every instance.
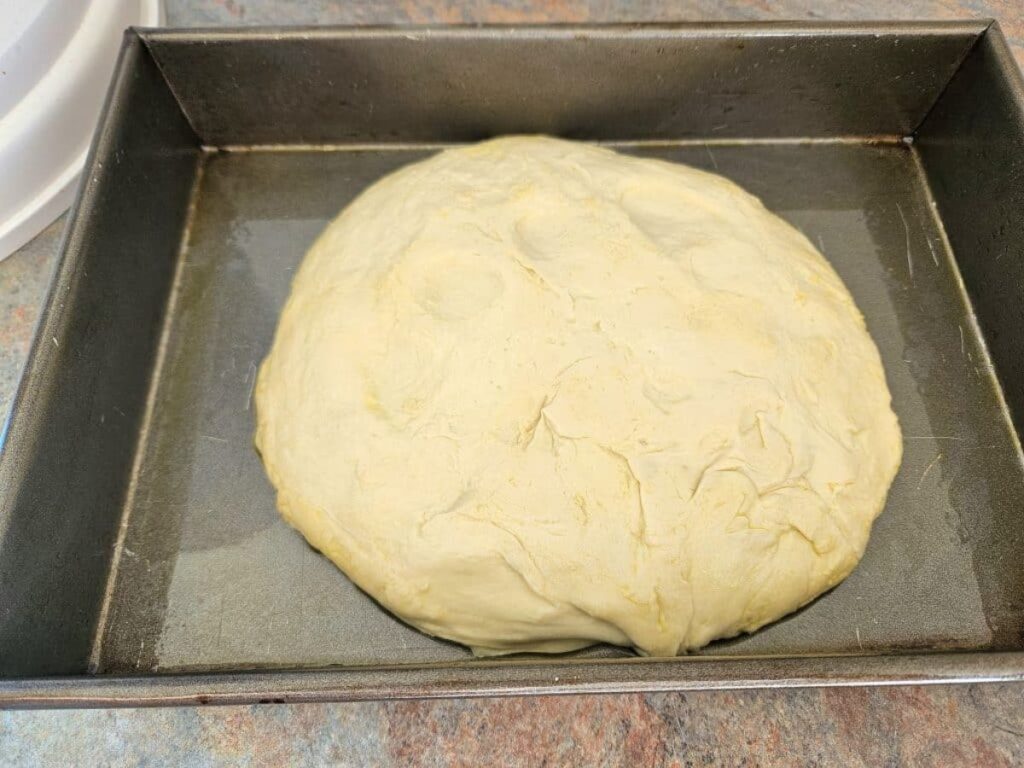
(942, 725)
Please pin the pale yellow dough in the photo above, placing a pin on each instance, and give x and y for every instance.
(533, 394)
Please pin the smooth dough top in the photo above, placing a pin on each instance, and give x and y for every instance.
(533, 394)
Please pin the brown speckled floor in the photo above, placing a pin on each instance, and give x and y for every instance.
(980, 725)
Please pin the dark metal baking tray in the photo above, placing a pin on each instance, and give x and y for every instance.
(141, 558)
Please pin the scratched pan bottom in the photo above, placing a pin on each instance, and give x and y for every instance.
(209, 578)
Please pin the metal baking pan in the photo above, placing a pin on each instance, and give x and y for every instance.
(141, 558)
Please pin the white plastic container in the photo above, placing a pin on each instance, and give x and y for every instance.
(56, 58)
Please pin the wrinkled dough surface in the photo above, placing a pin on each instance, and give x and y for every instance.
(533, 395)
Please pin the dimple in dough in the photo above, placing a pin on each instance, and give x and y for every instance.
(533, 394)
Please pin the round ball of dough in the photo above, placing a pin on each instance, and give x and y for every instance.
(533, 395)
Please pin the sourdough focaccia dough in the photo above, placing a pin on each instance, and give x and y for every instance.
(533, 394)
